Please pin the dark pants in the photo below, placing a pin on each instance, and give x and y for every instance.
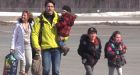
(89, 69)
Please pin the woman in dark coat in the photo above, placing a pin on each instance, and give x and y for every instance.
(90, 50)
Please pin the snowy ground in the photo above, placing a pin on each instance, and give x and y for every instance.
(100, 14)
(83, 15)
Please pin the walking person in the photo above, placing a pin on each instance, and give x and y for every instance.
(49, 48)
(114, 52)
(20, 45)
(64, 25)
(90, 50)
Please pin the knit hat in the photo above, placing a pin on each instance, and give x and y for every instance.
(91, 30)
(67, 8)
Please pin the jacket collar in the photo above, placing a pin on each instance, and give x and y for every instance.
(55, 19)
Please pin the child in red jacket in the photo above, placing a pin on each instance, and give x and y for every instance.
(64, 26)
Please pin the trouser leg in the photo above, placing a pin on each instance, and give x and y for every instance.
(28, 56)
(56, 60)
(119, 70)
(89, 69)
(46, 62)
(111, 70)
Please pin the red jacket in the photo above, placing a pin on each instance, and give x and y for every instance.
(65, 23)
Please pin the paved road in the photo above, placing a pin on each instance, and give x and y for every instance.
(81, 18)
(71, 64)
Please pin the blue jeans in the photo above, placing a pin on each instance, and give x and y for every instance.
(51, 57)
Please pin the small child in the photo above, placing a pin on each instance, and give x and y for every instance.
(64, 25)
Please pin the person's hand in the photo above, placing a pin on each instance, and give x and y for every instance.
(37, 56)
(84, 61)
(12, 51)
(60, 38)
(38, 53)
(38, 49)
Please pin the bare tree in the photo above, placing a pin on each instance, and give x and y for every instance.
(82, 5)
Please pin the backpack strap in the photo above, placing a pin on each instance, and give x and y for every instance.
(40, 35)
(41, 28)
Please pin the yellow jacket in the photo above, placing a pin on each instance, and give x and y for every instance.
(49, 33)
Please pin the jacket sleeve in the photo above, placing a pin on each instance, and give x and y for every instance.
(81, 49)
(124, 49)
(110, 52)
(14, 37)
(35, 33)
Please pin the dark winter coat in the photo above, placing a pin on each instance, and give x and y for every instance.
(114, 52)
(89, 51)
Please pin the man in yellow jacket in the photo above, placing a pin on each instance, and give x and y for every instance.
(49, 48)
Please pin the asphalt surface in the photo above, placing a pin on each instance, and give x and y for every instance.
(85, 18)
(71, 64)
